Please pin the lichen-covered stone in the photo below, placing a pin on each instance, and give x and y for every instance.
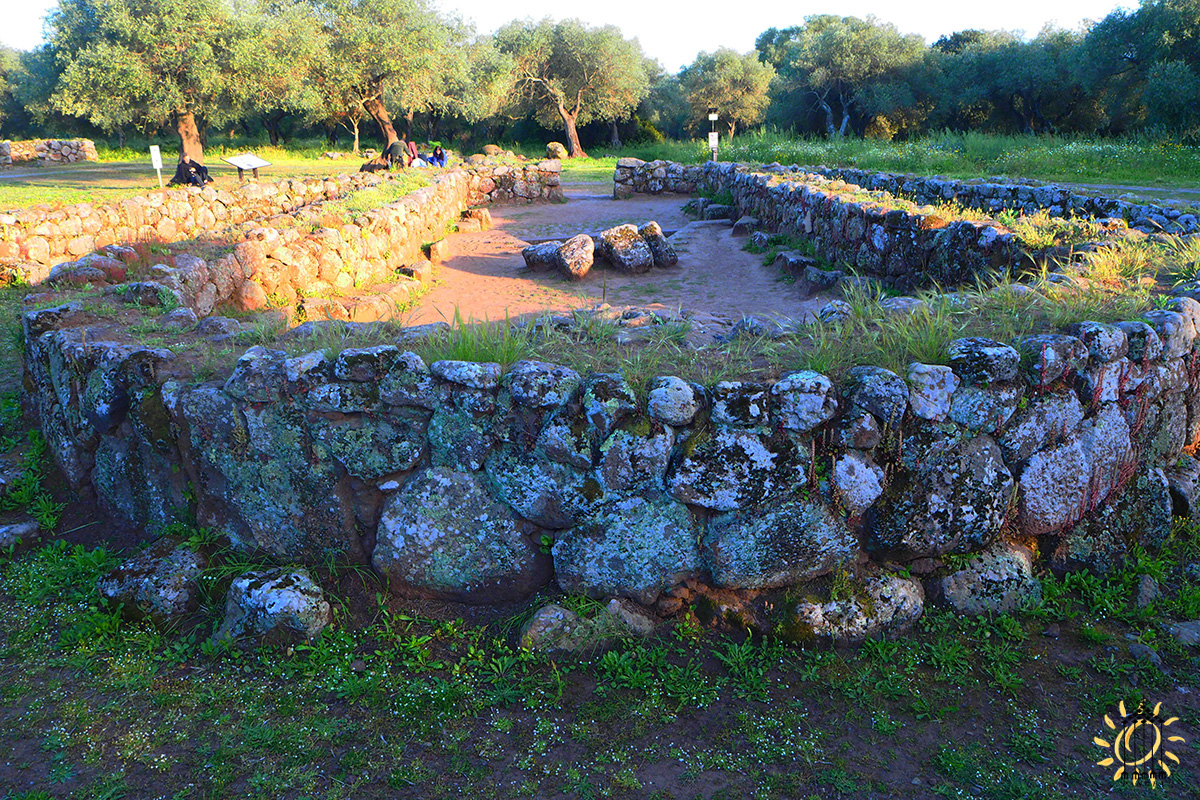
(625, 249)
(857, 431)
(631, 461)
(983, 361)
(259, 376)
(276, 606)
(547, 493)
(673, 401)
(776, 545)
(17, 533)
(573, 259)
(408, 383)
(883, 605)
(930, 390)
(1063, 483)
(365, 364)
(1184, 480)
(740, 404)
(554, 629)
(1051, 357)
(1044, 422)
(161, 583)
(664, 254)
(371, 446)
(472, 374)
(443, 534)
(858, 481)
(981, 409)
(1143, 341)
(1138, 513)
(999, 580)
(460, 439)
(733, 468)
(607, 400)
(541, 256)
(1174, 330)
(879, 392)
(537, 384)
(951, 497)
(1104, 343)
(631, 548)
(803, 400)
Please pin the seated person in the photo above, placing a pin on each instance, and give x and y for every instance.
(438, 157)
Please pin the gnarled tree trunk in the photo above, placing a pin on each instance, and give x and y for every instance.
(374, 107)
(574, 149)
(614, 134)
(190, 146)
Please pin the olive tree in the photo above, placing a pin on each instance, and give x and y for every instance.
(573, 74)
(735, 84)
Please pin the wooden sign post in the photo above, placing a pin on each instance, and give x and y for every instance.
(247, 161)
(156, 160)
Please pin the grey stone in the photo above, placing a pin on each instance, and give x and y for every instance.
(365, 364)
(1184, 481)
(883, 605)
(733, 468)
(1175, 330)
(803, 400)
(716, 211)
(18, 533)
(785, 543)
(1051, 357)
(161, 583)
(1044, 422)
(554, 629)
(1138, 514)
(541, 256)
(259, 376)
(471, 374)
(983, 361)
(857, 480)
(1148, 592)
(999, 580)
(547, 493)
(902, 305)
(443, 534)
(745, 225)
(1186, 633)
(664, 254)
(1143, 341)
(625, 249)
(181, 319)
(835, 311)
(632, 548)
(858, 431)
(634, 463)
(952, 496)
(537, 384)
(275, 606)
(1104, 342)
(673, 401)
(879, 392)
(214, 326)
(574, 258)
(930, 390)
(740, 404)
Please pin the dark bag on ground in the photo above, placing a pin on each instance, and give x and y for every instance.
(189, 173)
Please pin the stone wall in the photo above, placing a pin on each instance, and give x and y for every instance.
(455, 478)
(47, 151)
(35, 240)
(902, 246)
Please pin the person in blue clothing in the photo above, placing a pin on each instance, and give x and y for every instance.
(438, 157)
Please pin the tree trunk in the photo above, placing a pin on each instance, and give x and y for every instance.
(574, 149)
(190, 147)
(614, 135)
(355, 128)
(374, 107)
(271, 123)
(732, 128)
(828, 116)
(435, 125)
(121, 137)
(408, 124)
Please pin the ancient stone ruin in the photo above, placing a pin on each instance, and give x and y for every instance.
(43, 152)
(484, 483)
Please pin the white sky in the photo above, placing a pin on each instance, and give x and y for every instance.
(674, 32)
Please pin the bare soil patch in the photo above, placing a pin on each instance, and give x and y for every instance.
(485, 278)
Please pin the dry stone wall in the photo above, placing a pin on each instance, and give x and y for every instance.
(903, 248)
(47, 151)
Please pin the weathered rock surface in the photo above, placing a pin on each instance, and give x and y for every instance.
(625, 249)
(18, 533)
(883, 605)
(542, 256)
(732, 469)
(999, 580)
(631, 548)
(803, 400)
(554, 629)
(538, 384)
(673, 401)
(664, 254)
(777, 545)
(931, 388)
(161, 583)
(983, 361)
(443, 534)
(574, 257)
(276, 606)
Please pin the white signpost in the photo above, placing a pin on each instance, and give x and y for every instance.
(156, 160)
(247, 161)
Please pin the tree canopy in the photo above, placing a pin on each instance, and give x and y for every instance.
(734, 84)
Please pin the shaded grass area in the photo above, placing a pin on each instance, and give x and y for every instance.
(1132, 161)
(393, 701)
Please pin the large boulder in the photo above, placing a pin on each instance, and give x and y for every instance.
(275, 606)
(881, 605)
(161, 583)
(542, 256)
(778, 545)
(574, 257)
(664, 253)
(625, 249)
(444, 535)
(556, 150)
(951, 497)
(631, 548)
(732, 469)
(999, 580)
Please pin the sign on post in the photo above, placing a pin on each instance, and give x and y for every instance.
(712, 143)
(156, 160)
(246, 161)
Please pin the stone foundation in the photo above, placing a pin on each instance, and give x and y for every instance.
(42, 152)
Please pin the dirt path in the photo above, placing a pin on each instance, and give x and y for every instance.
(485, 277)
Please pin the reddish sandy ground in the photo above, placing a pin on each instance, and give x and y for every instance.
(486, 279)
